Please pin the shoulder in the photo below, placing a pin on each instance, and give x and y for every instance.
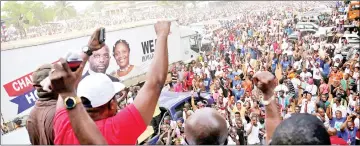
(86, 74)
(130, 117)
(114, 79)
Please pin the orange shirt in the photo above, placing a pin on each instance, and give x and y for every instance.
(335, 77)
(248, 86)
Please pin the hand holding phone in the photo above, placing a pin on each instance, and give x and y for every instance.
(74, 60)
(97, 40)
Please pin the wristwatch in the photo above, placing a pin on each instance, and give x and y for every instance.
(71, 102)
(87, 50)
(267, 102)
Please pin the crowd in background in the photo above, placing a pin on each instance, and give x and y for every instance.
(185, 16)
(313, 78)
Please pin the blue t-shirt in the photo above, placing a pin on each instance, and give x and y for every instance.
(207, 82)
(285, 64)
(274, 63)
(347, 134)
(250, 33)
(253, 54)
(243, 51)
(336, 123)
(326, 69)
(289, 31)
(236, 82)
(238, 93)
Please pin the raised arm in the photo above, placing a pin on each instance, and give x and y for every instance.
(148, 95)
(266, 82)
(64, 82)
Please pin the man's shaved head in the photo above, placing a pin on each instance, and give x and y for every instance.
(212, 132)
(332, 131)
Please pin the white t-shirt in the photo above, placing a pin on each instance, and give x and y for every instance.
(198, 71)
(296, 82)
(305, 76)
(356, 122)
(297, 65)
(284, 46)
(213, 64)
(230, 140)
(317, 73)
(281, 87)
(253, 137)
(341, 108)
(310, 106)
(219, 73)
(311, 89)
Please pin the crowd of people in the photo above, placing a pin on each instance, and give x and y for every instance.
(312, 79)
(184, 15)
(264, 88)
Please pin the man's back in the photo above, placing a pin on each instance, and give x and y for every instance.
(123, 128)
(40, 122)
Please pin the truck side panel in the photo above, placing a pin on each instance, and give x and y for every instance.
(18, 95)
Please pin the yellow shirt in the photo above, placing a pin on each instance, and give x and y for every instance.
(157, 110)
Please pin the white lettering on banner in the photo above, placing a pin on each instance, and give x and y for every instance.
(28, 81)
(22, 83)
(15, 86)
(31, 96)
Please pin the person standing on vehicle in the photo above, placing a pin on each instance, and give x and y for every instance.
(98, 91)
(40, 122)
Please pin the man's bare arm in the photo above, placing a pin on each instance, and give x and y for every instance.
(273, 119)
(266, 82)
(84, 127)
(149, 94)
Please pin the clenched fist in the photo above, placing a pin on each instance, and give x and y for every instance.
(266, 82)
(94, 43)
(162, 28)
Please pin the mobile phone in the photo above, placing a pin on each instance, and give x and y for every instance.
(102, 35)
(74, 61)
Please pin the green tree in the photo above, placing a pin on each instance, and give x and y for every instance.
(64, 10)
(97, 6)
(35, 12)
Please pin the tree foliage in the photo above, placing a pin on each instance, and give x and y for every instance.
(36, 12)
(64, 10)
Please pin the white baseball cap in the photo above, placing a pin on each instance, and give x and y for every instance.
(98, 89)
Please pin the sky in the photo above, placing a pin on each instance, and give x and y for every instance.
(79, 5)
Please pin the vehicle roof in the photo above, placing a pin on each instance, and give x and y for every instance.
(169, 99)
(350, 35)
(307, 29)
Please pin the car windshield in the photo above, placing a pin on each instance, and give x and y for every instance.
(355, 7)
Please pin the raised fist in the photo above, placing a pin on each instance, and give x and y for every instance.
(162, 28)
(94, 43)
(266, 82)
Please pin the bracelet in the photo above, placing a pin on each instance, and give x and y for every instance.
(267, 102)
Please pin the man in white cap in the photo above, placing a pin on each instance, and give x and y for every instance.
(97, 92)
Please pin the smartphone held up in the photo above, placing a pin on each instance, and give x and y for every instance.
(74, 60)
